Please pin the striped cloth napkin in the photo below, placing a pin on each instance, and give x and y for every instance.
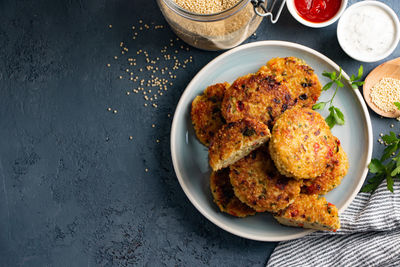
(369, 236)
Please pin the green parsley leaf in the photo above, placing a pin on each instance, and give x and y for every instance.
(327, 86)
(326, 74)
(390, 182)
(392, 138)
(335, 115)
(373, 183)
(339, 83)
(389, 150)
(320, 105)
(376, 166)
(397, 104)
(330, 75)
(368, 188)
(378, 177)
(359, 83)
(330, 120)
(339, 117)
(360, 72)
(395, 171)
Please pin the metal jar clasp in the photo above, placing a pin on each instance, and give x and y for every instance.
(268, 9)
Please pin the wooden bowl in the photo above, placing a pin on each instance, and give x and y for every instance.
(389, 69)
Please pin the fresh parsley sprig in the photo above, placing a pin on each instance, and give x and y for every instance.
(383, 167)
(387, 167)
(335, 115)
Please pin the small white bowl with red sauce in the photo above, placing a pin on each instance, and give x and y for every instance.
(316, 13)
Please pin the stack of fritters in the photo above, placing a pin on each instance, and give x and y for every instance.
(302, 160)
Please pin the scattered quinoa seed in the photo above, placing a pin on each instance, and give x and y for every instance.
(391, 125)
(130, 137)
(155, 72)
(110, 26)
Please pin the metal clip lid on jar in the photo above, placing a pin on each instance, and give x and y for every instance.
(221, 30)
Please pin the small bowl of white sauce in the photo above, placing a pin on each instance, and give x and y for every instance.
(368, 31)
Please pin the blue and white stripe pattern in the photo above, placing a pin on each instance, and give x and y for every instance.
(369, 236)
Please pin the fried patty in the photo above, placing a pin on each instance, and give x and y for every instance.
(206, 112)
(224, 197)
(310, 211)
(301, 144)
(236, 140)
(257, 183)
(298, 77)
(259, 96)
(331, 178)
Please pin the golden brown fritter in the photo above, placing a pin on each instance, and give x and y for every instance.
(331, 178)
(298, 77)
(301, 144)
(224, 197)
(236, 140)
(259, 96)
(206, 112)
(310, 211)
(257, 183)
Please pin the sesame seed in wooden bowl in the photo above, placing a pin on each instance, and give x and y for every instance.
(382, 88)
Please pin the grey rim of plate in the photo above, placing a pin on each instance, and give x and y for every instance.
(183, 110)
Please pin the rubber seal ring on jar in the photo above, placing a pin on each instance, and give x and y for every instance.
(268, 9)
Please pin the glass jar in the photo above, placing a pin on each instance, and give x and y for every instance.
(217, 31)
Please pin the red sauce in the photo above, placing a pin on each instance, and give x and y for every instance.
(317, 10)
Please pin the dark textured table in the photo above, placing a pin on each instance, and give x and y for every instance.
(84, 185)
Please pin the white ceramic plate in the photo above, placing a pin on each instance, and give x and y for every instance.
(190, 158)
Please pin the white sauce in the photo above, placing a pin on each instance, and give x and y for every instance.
(368, 32)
